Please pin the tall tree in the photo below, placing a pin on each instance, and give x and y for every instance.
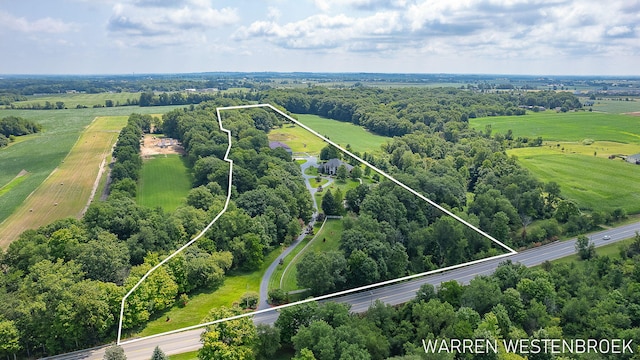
(114, 352)
(227, 340)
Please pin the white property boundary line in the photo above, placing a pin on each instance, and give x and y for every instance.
(340, 293)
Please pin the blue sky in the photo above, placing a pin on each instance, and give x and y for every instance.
(570, 37)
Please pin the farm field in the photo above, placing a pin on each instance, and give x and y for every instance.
(581, 168)
(594, 183)
(164, 182)
(199, 305)
(71, 101)
(615, 106)
(40, 153)
(67, 190)
(574, 126)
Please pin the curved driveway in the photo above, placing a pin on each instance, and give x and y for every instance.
(264, 283)
(360, 302)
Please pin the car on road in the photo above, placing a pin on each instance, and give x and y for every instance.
(606, 237)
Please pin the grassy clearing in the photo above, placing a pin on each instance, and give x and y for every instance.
(326, 240)
(592, 182)
(41, 153)
(299, 139)
(572, 126)
(164, 182)
(66, 191)
(235, 285)
(611, 250)
(344, 133)
(73, 100)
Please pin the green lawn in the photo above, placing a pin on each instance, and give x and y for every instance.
(235, 285)
(326, 240)
(192, 355)
(611, 250)
(594, 183)
(40, 153)
(165, 182)
(343, 186)
(571, 126)
(343, 133)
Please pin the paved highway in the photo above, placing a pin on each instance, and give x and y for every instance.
(360, 302)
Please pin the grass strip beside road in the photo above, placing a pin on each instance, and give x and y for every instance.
(234, 286)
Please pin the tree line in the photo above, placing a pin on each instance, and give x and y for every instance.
(593, 299)
(12, 126)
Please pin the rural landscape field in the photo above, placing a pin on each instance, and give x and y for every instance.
(320, 180)
(584, 152)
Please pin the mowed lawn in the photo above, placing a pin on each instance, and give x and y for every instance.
(164, 182)
(571, 126)
(328, 239)
(66, 191)
(199, 305)
(342, 133)
(593, 182)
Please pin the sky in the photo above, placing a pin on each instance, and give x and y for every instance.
(538, 37)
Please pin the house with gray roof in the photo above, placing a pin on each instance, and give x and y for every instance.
(331, 167)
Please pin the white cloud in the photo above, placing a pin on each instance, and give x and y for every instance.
(155, 23)
(43, 25)
(496, 29)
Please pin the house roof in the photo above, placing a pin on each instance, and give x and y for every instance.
(336, 163)
(278, 144)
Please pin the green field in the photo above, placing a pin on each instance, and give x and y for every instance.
(594, 183)
(615, 106)
(40, 153)
(572, 126)
(582, 169)
(326, 240)
(71, 101)
(164, 182)
(235, 285)
(343, 133)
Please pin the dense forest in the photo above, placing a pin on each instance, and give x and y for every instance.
(68, 277)
(594, 299)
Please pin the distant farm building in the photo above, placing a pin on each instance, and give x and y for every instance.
(278, 144)
(634, 159)
(331, 167)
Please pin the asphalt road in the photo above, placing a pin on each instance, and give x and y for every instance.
(360, 302)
